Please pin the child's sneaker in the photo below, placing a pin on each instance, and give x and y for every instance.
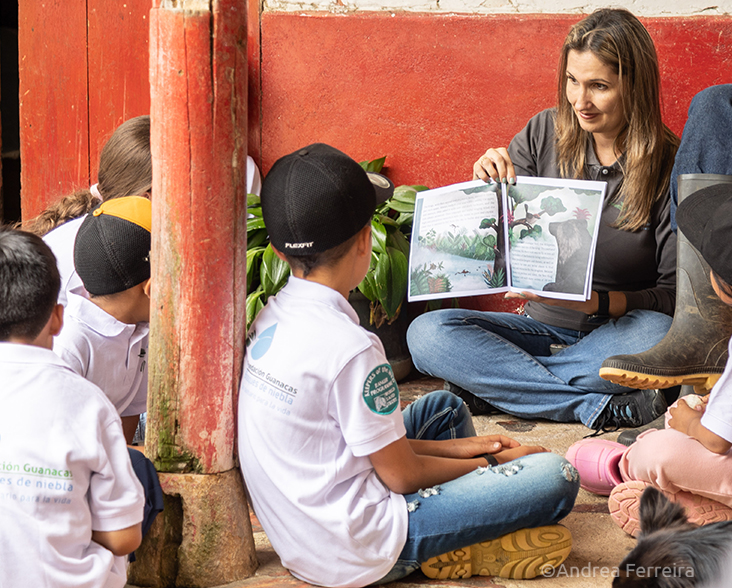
(597, 460)
(520, 555)
(624, 506)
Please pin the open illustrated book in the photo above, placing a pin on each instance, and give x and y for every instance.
(474, 238)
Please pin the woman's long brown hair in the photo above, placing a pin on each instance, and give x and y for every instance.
(620, 41)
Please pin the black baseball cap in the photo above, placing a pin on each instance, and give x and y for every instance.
(317, 197)
(705, 219)
(112, 247)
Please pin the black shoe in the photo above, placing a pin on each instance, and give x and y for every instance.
(475, 404)
(633, 409)
(629, 436)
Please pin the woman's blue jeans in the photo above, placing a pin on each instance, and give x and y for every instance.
(532, 491)
(706, 145)
(504, 358)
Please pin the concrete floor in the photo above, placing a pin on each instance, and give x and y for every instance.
(598, 544)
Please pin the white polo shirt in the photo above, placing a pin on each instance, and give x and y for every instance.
(107, 352)
(64, 470)
(317, 397)
(61, 241)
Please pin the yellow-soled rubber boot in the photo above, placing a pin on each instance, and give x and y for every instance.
(520, 555)
(694, 351)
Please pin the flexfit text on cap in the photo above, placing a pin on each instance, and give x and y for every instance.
(317, 197)
(705, 219)
(112, 247)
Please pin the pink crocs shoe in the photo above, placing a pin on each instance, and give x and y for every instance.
(624, 507)
(596, 460)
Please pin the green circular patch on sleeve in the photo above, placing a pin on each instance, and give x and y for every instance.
(380, 391)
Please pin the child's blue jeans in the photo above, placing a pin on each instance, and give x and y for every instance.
(531, 491)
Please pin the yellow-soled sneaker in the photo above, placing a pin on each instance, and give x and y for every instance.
(520, 555)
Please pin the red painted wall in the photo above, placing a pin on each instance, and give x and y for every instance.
(429, 91)
(432, 92)
(83, 71)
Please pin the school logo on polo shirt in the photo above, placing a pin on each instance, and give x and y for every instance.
(262, 342)
(380, 391)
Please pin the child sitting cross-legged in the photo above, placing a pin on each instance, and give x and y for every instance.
(349, 489)
(70, 505)
(690, 460)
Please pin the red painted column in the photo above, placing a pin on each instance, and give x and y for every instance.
(198, 74)
(198, 85)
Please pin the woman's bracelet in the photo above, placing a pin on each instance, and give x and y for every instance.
(603, 304)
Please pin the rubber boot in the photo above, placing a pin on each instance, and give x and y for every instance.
(694, 351)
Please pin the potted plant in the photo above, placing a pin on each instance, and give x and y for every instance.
(382, 291)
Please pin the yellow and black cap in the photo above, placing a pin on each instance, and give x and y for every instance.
(112, 248)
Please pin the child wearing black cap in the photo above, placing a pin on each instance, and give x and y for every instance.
(105, 338)
(70, 504)
(690, 460)
(349, 489)
(106, 335)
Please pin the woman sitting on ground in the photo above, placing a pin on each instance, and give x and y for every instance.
(607, 126)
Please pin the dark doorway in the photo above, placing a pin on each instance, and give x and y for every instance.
(10, 111)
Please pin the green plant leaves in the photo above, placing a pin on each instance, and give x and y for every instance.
(274, 272)
(390, 280)
(254, 261)
(254, 305)
(254, 223)
(375, 165)
(378, 235)
(256, 238)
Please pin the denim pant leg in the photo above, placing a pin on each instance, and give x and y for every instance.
(706, 143)
(504, 358)
(437, 416)
(148, 477)
(531, 491)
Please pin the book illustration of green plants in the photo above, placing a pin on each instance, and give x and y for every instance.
(429, 279)
(496, 279)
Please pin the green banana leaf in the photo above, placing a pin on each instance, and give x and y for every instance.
(390, 276)
(254, 305)
(274, 272)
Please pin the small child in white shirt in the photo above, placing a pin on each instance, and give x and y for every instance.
(105, 339)
(369, 493)
(70, 505)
